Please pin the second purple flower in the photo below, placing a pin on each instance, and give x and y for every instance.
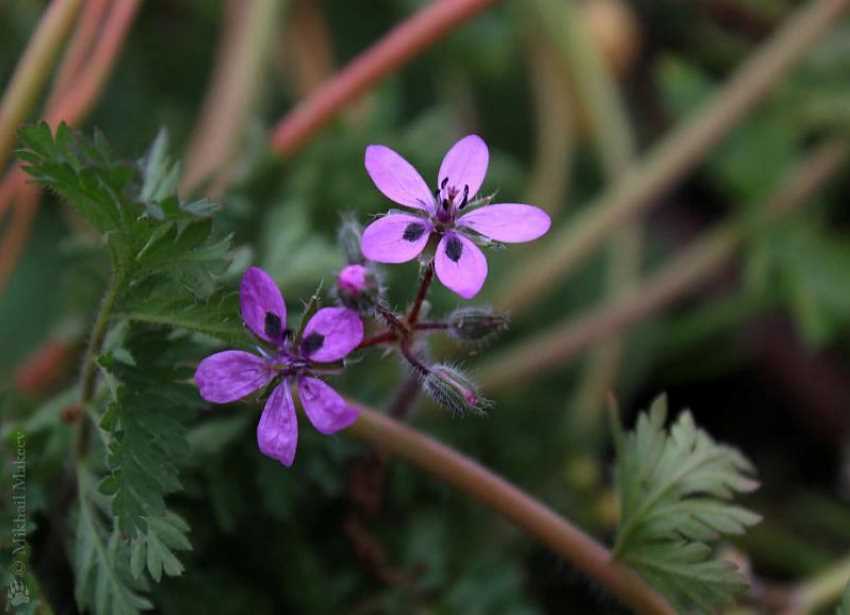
(329, 336)
(400, 237)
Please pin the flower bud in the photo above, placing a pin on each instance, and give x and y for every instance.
(348, 237)
(358, 288)
(476, 324)
(353, 279)
(452, 389)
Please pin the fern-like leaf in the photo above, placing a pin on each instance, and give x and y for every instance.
(675, 489)
(103, 580)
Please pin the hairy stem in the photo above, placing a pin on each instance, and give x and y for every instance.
(431, 326)
(400, 45)
(32, 70)
(552, 348)
(568, 246)
(424, 285)
(88, 374)
(528, 514)
(380, 338)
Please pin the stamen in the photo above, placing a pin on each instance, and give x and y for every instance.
(465, 199)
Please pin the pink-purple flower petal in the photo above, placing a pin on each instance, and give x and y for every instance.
(331, 334)
(263, 308)
(396, 178)
(465, 164)
(326, 409)
(277, 431)
(395, 238)
(230, 375)
(508, 222)
(460, 265)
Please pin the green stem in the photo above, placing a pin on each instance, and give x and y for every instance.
(32, 71)
(528, 514)
(568, 246)
(88, 375)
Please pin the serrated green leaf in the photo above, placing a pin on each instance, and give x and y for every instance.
(674, 487)
(104, 584)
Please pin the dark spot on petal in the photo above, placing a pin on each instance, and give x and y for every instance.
(443, 183)
(454, 248)
(312, 343)
(273, 325)
(413, 231)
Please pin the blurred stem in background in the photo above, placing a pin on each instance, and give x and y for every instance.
(248, 30)
(554, 531)
(32, 71)
(550, 349)
(615, 143)
(820, 590)
(87, 63)
(548, 185)
(400, 45)
(567, 247)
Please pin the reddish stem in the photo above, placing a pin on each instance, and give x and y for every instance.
(431, 326)
(381, 338)
(400, 45)
(421, 294)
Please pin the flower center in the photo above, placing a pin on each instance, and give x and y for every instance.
(446, 201)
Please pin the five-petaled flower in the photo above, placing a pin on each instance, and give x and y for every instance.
(329, 336)
(400, 237)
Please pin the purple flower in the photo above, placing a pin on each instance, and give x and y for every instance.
(230, 375)
(400, 237)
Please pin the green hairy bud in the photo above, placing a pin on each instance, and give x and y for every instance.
(452, 389)
(476, 324)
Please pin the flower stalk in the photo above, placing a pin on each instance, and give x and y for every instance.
(530, 515)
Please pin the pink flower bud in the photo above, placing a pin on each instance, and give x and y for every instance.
(353, 279)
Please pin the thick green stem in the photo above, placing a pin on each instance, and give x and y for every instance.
(568, 246)
(538, 520)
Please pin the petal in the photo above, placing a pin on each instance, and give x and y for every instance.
(331, 334)
(230, 375)
(325, 408)
(397, 179)
(395, 238)
(465, 164)
(510, 223)
(460, 265)
(277, 431)
(263, 309)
